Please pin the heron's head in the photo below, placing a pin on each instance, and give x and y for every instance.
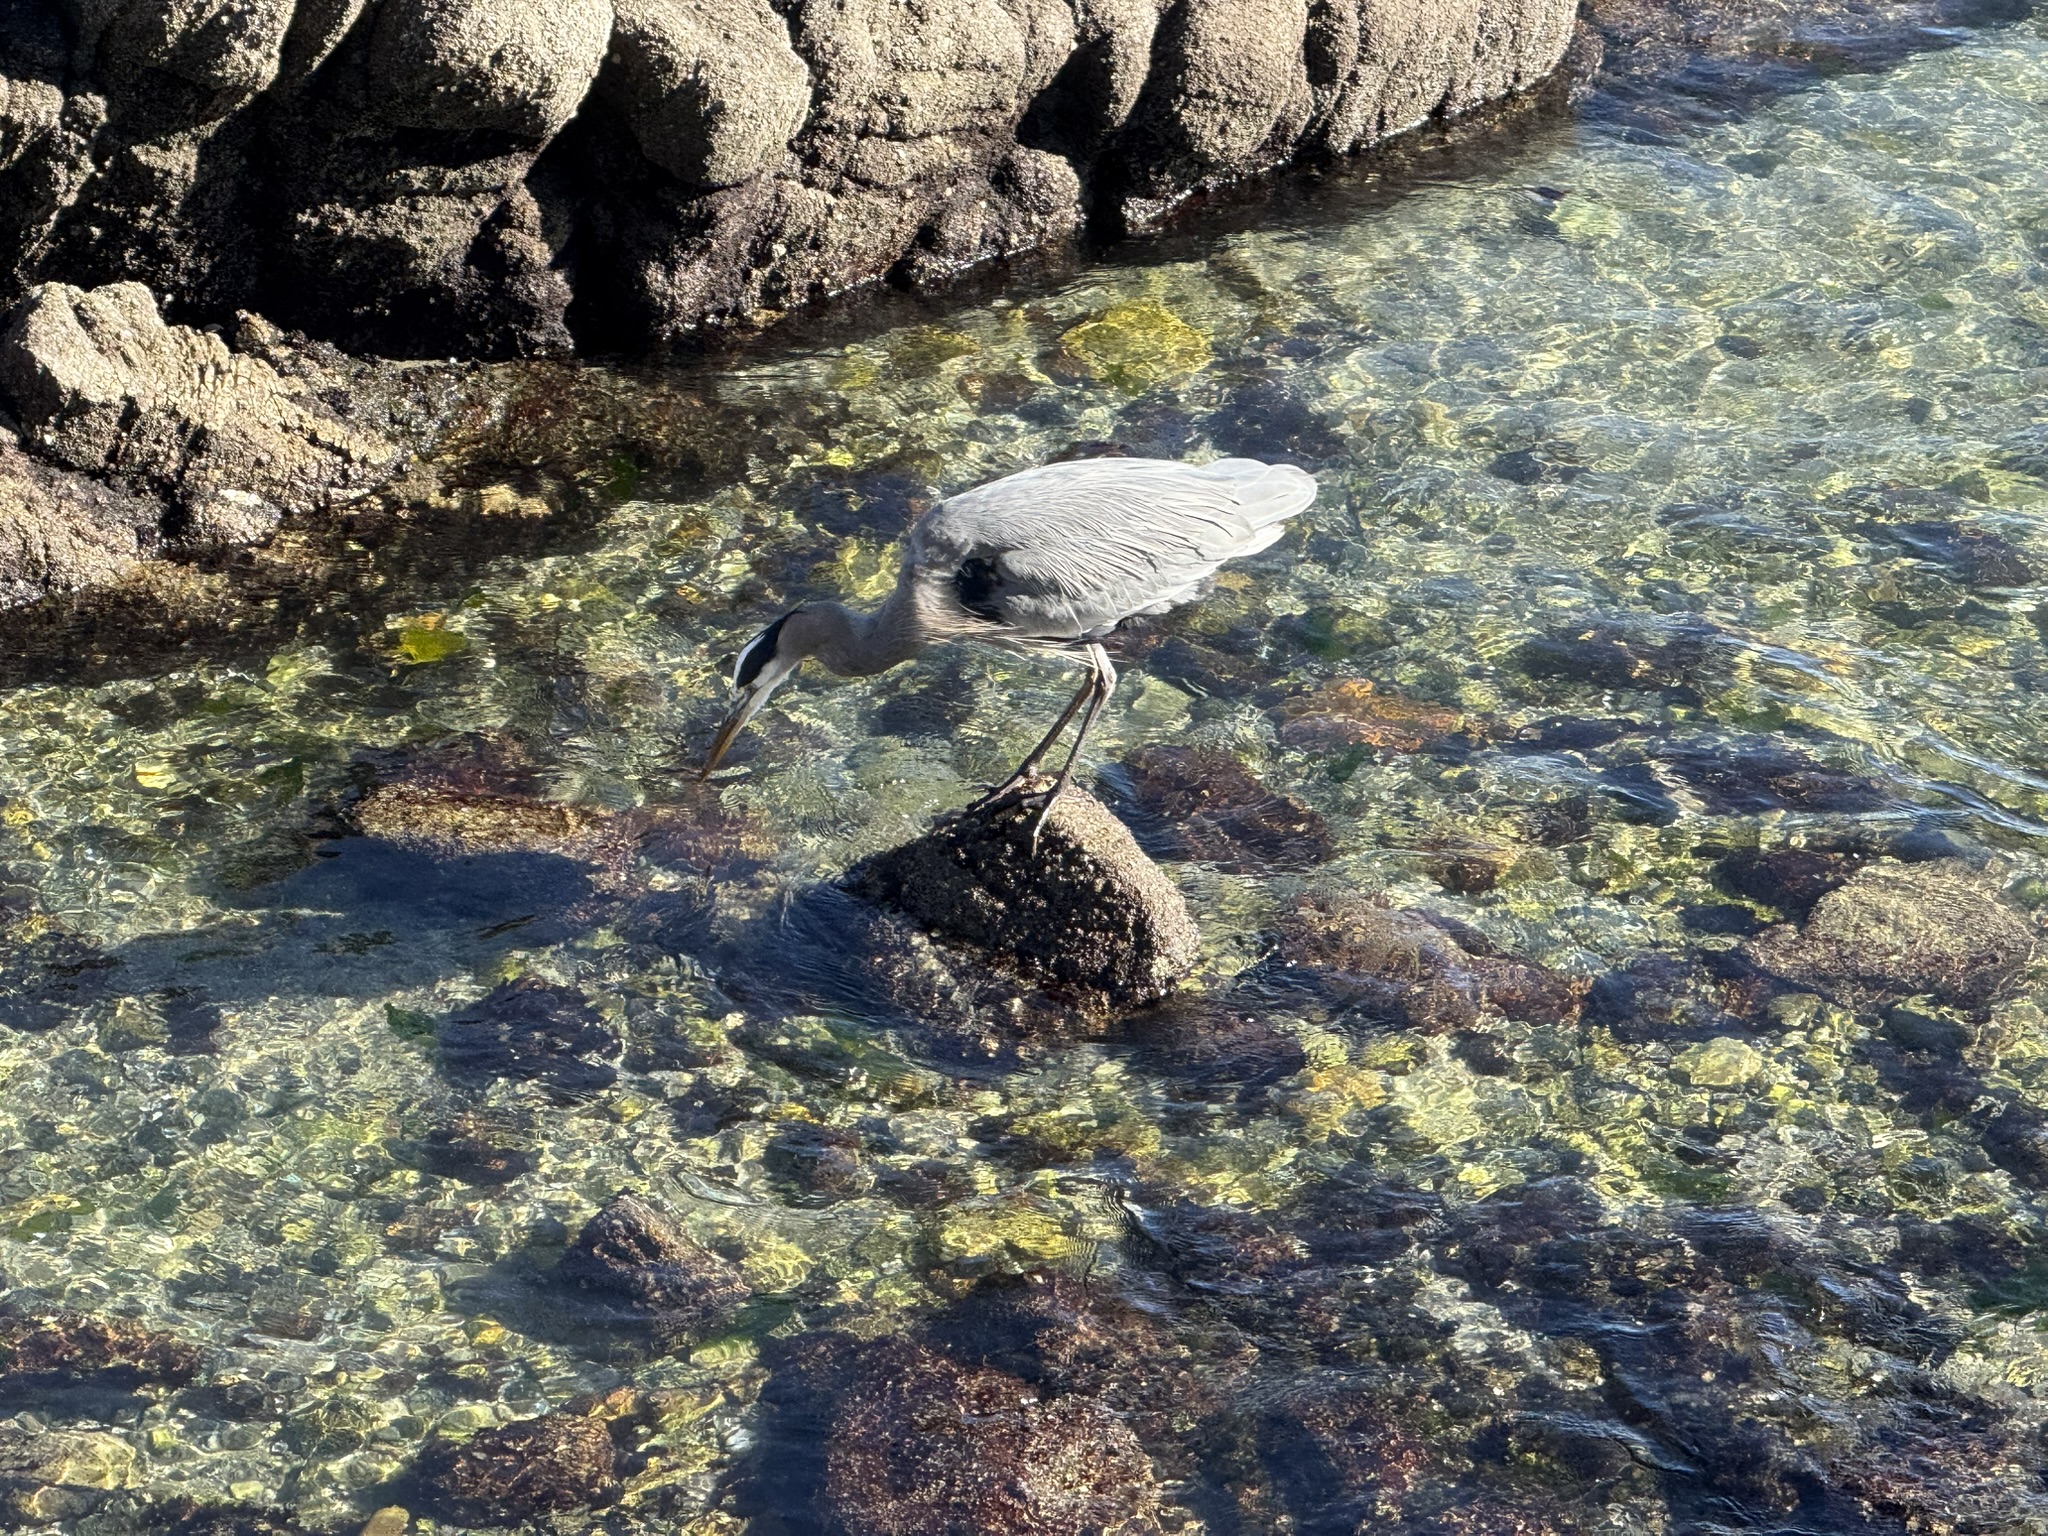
(762, 664)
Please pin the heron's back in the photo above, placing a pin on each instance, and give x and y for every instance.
(1069, 551)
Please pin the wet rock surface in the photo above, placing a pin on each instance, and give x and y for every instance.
(1086, 912)
(100, 384)
(640, 1272)
(410, 176)
(521, 1471)
(1895, 930)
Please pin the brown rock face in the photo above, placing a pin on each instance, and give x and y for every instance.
(102, 385)
(60, 530)
(1088, 912)
(1897, 930)
(519, 1471)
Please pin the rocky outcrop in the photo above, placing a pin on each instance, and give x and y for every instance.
(1076, 907)
(100, 384)
(519, 176)
(60, 531)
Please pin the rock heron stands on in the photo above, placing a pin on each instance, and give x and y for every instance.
(1050, 560)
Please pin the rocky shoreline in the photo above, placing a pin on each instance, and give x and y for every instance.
(619, 177)
(453, 177)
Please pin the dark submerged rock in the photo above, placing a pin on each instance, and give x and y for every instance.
(1790, 879)
(643, 1273)
(522, 1471)
(822, 1162)
(535, 1031)
(1747, 776)
(1202, 803)
(1400, 969)
(921, 1445)
(74, 1347)
(1894, 930)
(1087, 913)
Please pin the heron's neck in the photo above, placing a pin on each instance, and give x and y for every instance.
(861, 644)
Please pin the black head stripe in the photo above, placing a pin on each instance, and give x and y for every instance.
(757, 653)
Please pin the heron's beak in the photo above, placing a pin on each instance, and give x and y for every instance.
(746, 704)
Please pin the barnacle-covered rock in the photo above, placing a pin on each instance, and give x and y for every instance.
(1084, 910)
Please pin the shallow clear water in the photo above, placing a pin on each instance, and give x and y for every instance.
(1641, 462)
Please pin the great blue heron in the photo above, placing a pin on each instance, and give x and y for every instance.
(1049, 560)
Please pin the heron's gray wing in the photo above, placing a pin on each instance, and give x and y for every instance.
(1073, 549)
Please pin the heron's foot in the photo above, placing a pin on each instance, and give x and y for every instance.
(1018, 786)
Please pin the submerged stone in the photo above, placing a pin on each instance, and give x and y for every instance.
(1135, 347)
(1356, 712)
(1610, 655)
(1790, 879)
(48, 1476)
(1400, 969)
(643, 1273)
(1334, 1456)
(923, 1446)
(521, 1471)
(70, 1346)
(535, 1031)
(1086, 913)
(1897, 930)
(1211, 808)
(480, 794)
(822, 1162)
(1749, 775)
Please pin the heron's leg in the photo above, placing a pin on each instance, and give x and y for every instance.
(1028, 769)
(1100, 687)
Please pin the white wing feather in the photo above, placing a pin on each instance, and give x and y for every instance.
(1077, 548)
